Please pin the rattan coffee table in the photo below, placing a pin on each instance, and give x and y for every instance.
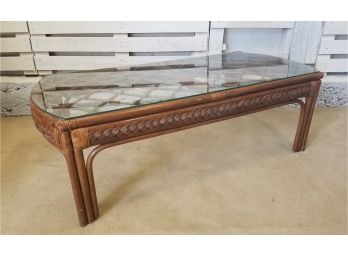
(105, 108)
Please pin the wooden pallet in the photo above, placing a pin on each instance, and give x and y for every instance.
(16, 53)
(96, 45)
(332, 58)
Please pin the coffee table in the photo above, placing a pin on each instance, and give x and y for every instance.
(106, 108)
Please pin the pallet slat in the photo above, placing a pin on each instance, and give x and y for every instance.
(68, 27)
(101, 62)
(305, 41)
(119, 44)
(216, 41)
(336, 28)
(332, 65)
(334, 47)
(253, 24)
(13, 27)
(12, 45)
(17, 63)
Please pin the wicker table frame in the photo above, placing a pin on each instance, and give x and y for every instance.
(109, 129)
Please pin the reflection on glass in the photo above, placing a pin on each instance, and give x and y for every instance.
(75, 94)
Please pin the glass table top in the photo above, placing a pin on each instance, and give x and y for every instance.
(74, 94)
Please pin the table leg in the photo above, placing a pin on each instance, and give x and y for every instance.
(81, 168)
(76, 187)
(300, 125)
(306, 118)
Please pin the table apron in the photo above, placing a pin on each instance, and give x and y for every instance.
(183, 118)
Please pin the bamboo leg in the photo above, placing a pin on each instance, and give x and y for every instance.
(310, 102)
(308, 114)
(297, 142)
(81, 168)
(76, 187)
(311, 105)
(89, 166)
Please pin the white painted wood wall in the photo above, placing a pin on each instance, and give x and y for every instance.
(45, 47)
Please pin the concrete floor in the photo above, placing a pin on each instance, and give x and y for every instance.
(234, 177)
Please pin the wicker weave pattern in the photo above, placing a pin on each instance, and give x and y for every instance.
(200, 114)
